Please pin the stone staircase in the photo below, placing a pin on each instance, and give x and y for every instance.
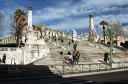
(89, 54)
(96, 53)
(56, 56)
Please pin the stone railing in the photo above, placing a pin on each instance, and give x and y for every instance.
(8, 40)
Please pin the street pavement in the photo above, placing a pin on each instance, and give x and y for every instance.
(108, 78)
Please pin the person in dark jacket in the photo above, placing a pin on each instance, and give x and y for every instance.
(77, 57)
(4, 58)
(105, 57)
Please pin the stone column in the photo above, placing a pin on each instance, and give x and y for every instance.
(92, 32)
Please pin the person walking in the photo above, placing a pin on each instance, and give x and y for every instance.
(69, 43)
(77, 57)
(74, 57)
(4, 58)
(0, 60)
(74, 46)
(70, 58)
(105, 57)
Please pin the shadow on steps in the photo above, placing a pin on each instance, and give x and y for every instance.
(25, 70)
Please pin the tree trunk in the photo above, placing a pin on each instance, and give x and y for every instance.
(104, 33)
(116, 40)
(41, 34)
(17, 40)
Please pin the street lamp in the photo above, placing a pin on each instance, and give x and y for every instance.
(83, 38)
(57, 42)
(110, 36)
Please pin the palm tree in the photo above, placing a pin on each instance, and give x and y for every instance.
(19, 22)
(104, 23)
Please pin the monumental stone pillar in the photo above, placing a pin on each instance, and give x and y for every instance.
(92, 32)
(30, 28)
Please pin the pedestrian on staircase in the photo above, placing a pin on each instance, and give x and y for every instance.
(0, 60)
(69, 53)
(74, 46)
(74, 57)
(69, 43)
(62, 41)
(105, 57)
(77, 57)
(4, 58)
(70, 57)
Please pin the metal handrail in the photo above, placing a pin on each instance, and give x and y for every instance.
(66, 69)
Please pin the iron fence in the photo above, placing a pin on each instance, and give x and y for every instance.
(64, 69)
(95, 67)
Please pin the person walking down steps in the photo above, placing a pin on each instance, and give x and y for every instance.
(4, 58)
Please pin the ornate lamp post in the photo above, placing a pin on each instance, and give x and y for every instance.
(110, 37)
(57, 41)
(69, 36)
(83, 38)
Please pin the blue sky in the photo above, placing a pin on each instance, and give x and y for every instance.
(69, 14)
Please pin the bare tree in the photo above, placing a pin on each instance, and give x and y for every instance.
(125, 35)
(117, 30)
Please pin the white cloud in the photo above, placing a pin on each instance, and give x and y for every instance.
(71, 23)
(104, 3)
(66, 10)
